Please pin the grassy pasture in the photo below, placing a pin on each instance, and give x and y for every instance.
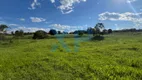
(117, 57)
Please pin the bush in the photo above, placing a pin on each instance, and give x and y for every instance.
(98, 29)
(105, 31)
(80, 33)
(52, 32)
(59, 32)
(109, 31)
(40, 34)
(19, 33)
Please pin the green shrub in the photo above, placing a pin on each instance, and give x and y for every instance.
(19, 33)
(109, 31)
(52, 32)
(40, 34)
(80, 33)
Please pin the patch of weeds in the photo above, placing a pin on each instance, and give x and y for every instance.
(97, 38)
(46, 59)
(133, 49)
(33, 41)
(5, 43)
(29, 49)
(136, 64)
(130, 62)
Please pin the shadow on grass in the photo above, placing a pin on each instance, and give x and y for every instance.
(97, 38)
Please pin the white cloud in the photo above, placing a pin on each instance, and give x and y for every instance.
(58, 27)
(136, 18)
(32, 29)
(13, 25)
(67, 5)
(28, 29)
(22, 19)
(52, 1)
(128, 16)
(65, 27)
(34, 4)
(67, 12)
(36, 19)
(130, 1)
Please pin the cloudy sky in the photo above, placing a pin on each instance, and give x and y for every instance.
(70, 15)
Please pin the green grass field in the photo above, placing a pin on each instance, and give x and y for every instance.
(117, 57)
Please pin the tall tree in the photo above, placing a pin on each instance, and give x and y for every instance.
(52, 32)
(19, 33)
(2, 28)
(109, 31)
(98, 29)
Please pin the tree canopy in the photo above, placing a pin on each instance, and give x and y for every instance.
(98, 29)
(3, 27)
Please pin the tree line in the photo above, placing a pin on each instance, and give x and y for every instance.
(98, 30)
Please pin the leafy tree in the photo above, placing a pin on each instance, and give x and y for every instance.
(3, 27)
(65, 32)
(59, 32)
(109, 31)
(105, 31)
(2, 31)
(40, 34)
(19, 33)
(133, 30)
(12, 33)
(98, 29)
(90, 30)
(80, 33)
(52, 32)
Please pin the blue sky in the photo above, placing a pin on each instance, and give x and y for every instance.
(70, 15)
